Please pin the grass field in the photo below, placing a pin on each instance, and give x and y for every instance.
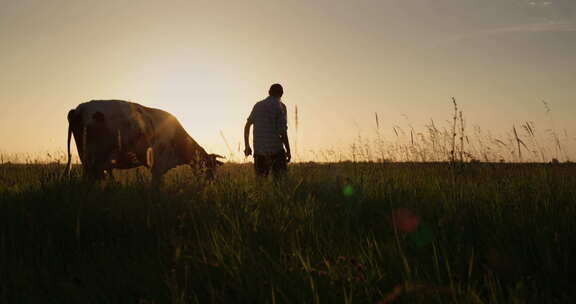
(329, 233)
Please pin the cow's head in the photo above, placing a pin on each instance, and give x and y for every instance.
(211, 163)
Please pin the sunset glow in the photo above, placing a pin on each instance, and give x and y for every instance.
(340, 63)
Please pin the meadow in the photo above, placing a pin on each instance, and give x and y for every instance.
(442, 215)
(346, 232)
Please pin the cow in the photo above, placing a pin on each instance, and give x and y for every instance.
(118, 134)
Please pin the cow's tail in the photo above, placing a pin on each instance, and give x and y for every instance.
(68, 164)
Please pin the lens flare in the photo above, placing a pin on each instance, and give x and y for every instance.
(404, 220)
(348, 190)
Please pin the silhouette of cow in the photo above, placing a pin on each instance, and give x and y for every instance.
(117, 134)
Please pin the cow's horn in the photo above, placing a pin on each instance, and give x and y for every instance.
(217, 156)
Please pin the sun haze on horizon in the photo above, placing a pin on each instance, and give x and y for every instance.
(339, 62)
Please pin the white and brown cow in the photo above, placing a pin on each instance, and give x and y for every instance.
(117, 134)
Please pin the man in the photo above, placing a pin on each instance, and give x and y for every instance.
(270, 137)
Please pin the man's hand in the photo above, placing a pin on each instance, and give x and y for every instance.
(288, 156)
(247, 151)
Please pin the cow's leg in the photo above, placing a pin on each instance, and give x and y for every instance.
(158, 170)
(156, 180)
(100, 145)
(92, 170)
(99, 171)
(110, 174)
(93, 173)
(162, 161)
(86, 172)
(157, 175)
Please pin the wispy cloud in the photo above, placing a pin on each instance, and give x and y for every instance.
(535, 27)
(540, 3)
(544, 27)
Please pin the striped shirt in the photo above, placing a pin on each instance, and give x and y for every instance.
(269, 119)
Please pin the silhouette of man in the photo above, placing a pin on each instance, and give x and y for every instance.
(270, 137)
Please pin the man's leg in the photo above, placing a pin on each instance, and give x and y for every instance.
(261, 165)
(279, 165)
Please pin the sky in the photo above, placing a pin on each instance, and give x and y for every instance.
(208, 62)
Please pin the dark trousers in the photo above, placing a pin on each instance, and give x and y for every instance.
(276, 162)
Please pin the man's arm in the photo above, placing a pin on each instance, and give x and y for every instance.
(284, 136)
(247, 149)
(284, 131)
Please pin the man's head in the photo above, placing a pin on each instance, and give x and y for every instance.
(276, 90)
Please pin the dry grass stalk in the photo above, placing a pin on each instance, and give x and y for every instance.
(227, 144)
(461, 136)
(517, 142)
(295, 129)
(453, 142)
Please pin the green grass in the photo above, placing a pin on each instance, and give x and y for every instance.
(477, 233)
